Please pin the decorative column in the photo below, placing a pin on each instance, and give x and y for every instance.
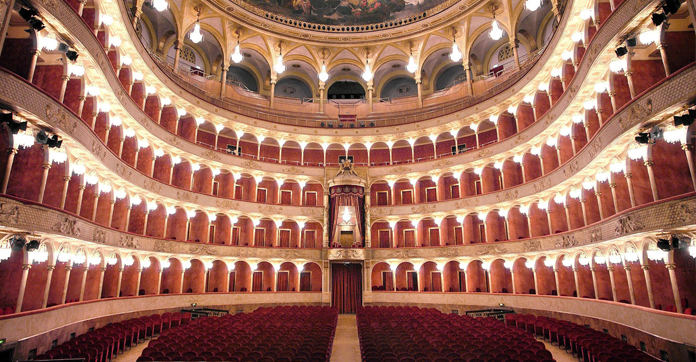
(112, 203)
(368, 228)
(675, 287)
(137, 283)
(326, 220)
(22, 287)
(653, 183)
(558, 284)
(32, 67)
(47, 287)
(159, 280)
(181, 286)
(80, 194)
(118, 284)
(513, 45)
(322, 94)
(469, 80)
(84, 280)
(370, 90)
(63, 87)
(612, 281)
(661, 46)
(512, 276)
(223, 81)
(419, 85)
(629, 75)
(273, 84)
(594, 282)
(599, 201)
(64, 195)
(536, 283)
(577, 282)
(584, 208)
(177, 52)
(627, 268)
(614, 197)
(5, 15)
(68, 270)
(101, 282)
(648, 285)
(629, 183)
(44, 176)
(128, 212)
(96, 203)
(11, 152)
(690, 160)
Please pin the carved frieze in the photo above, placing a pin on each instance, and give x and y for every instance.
(491, 250)
(186, 196)
(270, 209)
(211, 155)
(531, 246)
(128, 241)
(507, 196)
(627, 225)
(566, 241)
(9, 214)
(466, 203)
(69, 226)
(99, 236)
(422, 209)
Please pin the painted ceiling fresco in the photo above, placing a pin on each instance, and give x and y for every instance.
(346, 12)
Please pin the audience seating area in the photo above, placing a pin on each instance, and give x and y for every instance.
(410, 334)
(282, 334)
(588, 344)
(103, 344)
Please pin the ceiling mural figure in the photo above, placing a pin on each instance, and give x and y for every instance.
(346, 12)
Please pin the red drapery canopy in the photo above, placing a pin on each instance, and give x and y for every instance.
(352, 196)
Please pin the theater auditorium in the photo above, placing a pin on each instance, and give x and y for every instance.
(348, 180)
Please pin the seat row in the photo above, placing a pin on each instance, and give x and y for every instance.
(406, 334)
(267, 334)
(103, 344)
(587, 344)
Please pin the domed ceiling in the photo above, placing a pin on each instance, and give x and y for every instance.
(347, 12)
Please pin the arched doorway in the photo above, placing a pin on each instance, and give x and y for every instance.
(346, 286)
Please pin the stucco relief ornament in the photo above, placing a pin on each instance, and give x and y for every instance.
(507, 196)
(98, 150)
(567, 241)
(68, 227)
(346, 168)
(99, 236)
(627, 224)
(491, 249)
(532, 245)
(405, 254)
(270, 209)
(466, 203)
(9, 214)
(679, 214)
(571, 169)
(58, 116)
(382, 211)
(152, 185)
(422, 209)
(595, 147)
(128, 242)
(542, 185)
(251, 164)
(293, 170)
(227, 204)
(211, 155)
(163, 246)
(443, 163)
(186, 196)
(596, 235)
(202, 249)
(400, 170)
(352, 254)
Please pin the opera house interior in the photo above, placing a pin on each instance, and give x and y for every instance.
(348, 180)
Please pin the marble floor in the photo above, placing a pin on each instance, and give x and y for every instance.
(346, 345)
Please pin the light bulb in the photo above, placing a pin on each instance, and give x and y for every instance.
(455, 55)
(279, 66)
(496, 32)
(237, 55)
(367, 74)
(411, 66)
(532, 5)
(196, 35)
(323, 75)
(160, 5)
